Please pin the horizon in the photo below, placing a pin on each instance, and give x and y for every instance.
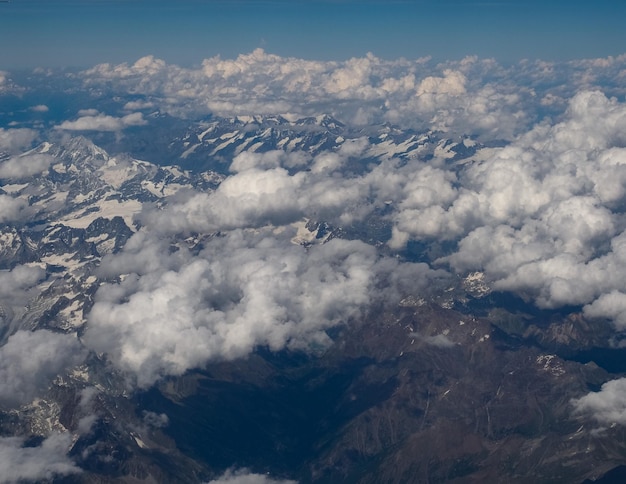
(79, 34)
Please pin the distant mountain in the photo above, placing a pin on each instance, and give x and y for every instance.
(212, 143)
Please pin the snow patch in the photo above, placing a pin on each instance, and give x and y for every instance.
(14, 188)
(107, 209)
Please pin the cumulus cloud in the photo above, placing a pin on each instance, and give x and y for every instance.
(606, 406)
(471, 96)
(173, 310)
(452, 83)
(40, 108)
(17, 287)
(243, 291)
(542, 217)
(103, 122)
(413, 93)
(30, 360)
(45, 462)
(14, 140)
(156, 420)
(271, 159)
(251, 198)
(7, 85)
(18, 280)
(244, 476)
(87, 112)
(142, 254)
(609, 306)
(24, 166)
(138, 105)
(11, 208)
(262, 192)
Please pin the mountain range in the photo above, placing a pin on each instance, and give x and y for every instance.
(457, 383)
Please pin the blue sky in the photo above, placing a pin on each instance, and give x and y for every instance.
(85, 32)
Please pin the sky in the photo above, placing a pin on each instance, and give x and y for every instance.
(81, 33)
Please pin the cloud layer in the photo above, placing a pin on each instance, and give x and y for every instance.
(539, 208)
(174, 311)
(471, 96)
(543, 217)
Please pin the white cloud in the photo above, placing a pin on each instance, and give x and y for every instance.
(7, 85)
(156, 420)
(439, 341)
(534, 216)
(173, 311)
(542, 217)
(453, 97)
(606, 406)
(87, 112)
(103, 122)
(610, 306)
(30, 360)
(19, 279)
(243, 476)
(262, 192)
(11, 209)
(452, 83)
(40, 108)
(24, 166)
(138, 105)
(251, 198)
(244, 290)
(15, 140)
(271, 159)
(49, 460)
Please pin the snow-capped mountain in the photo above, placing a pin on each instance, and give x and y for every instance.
(224, 139)
(80, 209)
(212, 144)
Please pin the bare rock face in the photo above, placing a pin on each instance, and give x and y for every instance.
(421, 394)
